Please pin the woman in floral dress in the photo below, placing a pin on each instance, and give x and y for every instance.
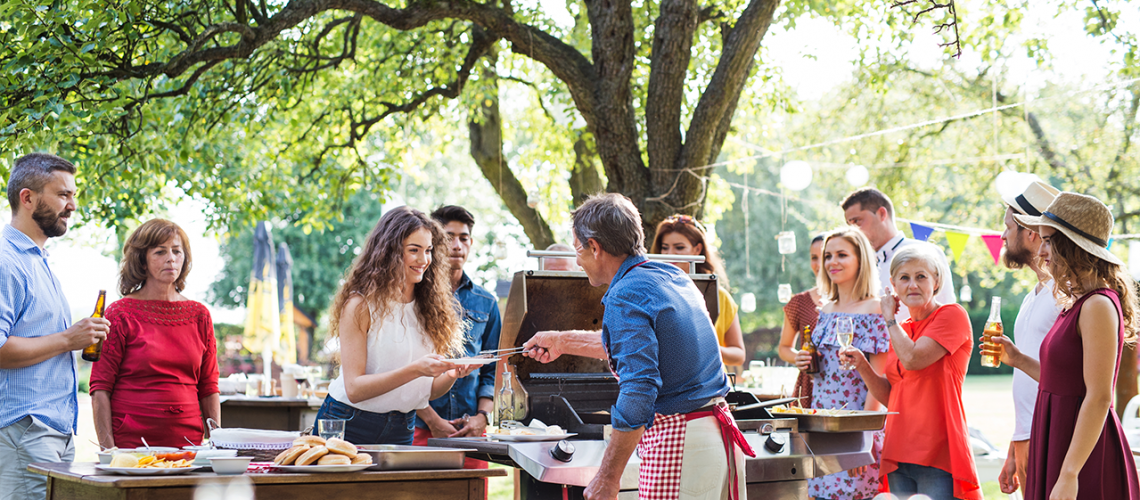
(848, 283)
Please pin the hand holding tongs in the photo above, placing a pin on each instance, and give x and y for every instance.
(502, 353)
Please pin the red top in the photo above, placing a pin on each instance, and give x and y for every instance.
(930, 427)
(159, 360)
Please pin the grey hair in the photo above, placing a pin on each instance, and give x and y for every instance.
(33, 171)
(928, 254)
(560, 247)
(612, 221)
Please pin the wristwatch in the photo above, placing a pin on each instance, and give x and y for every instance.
(892, 322)
(485, 414)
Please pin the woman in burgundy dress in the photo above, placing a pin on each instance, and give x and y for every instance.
(1077, 449)
(801, 311)
(158, 375)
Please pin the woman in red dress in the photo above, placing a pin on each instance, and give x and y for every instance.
(1077, 449)
(158, 375)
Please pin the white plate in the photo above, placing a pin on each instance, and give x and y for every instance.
(472, 361)
(305, 469)
(133, 471)
(526, 438)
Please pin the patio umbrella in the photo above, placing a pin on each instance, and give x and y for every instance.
(263, 318)
(288, 352)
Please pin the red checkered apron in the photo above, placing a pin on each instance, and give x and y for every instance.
(662, 449)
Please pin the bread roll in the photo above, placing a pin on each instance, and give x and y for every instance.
(334, 459)
(341, 446)
(313, 454)
(362, 458)
(309, 440)
(288, 457)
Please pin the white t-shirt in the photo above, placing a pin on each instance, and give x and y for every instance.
(1039, 310)
(883, 258)
(394, 341)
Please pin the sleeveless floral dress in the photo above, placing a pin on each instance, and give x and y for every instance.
(833, 387)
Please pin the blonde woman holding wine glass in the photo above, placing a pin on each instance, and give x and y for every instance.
(848, 284)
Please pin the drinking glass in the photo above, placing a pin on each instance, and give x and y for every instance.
(330, 428)
(844, 333)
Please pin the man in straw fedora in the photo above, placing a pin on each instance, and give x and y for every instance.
(1038, 312)
(1077, 448)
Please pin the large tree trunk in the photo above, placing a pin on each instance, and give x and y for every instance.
(584, 178)
(485, 129)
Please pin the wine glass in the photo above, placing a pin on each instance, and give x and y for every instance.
(314, 373)
(844, 333)
(300, 376)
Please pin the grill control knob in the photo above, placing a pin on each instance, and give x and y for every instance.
(775, 442)
(563, 451)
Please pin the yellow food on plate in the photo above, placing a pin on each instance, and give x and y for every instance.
(124, 460)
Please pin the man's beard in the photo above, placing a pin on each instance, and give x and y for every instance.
(1017, 258)
(50, 223)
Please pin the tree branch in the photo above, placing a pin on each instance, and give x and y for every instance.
(953, 24)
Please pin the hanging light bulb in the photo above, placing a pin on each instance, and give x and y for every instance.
(858, 175)
(748, 302)
(795, 175)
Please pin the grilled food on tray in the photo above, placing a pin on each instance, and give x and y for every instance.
(127, 460)
(314, 450)
(830, 412)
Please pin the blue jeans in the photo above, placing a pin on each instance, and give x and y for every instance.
(365, 427)
(911, 479)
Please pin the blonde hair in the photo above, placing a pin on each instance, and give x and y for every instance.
(866, 284)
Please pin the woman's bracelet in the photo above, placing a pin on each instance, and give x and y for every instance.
(892, 322)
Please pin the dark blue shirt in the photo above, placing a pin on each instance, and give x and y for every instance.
(661, 343)
(481, 324)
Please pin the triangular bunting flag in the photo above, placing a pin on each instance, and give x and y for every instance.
(993, 242)
(957, 243)
(921, 232)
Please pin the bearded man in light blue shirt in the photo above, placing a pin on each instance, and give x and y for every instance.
(38, 406)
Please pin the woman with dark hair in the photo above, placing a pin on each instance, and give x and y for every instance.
(158, 374)
(683, 235)
(398, 322)
(1077, 448)
(802, 311)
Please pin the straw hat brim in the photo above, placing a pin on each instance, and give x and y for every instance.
(1035, 223)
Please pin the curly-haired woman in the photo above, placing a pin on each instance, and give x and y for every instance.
(158, 375)
(397, 321)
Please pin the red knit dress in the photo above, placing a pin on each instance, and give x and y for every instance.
(159, 360)
(802, 311)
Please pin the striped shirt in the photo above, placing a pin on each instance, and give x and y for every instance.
(32, 305)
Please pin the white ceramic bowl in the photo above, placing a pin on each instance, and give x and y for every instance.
(225, 466)
(105, 457)
(202, 457)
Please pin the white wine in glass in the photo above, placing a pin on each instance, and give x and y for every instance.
(844, 333)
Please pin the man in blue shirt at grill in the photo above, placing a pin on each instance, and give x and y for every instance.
(38, 407)
(661, 345)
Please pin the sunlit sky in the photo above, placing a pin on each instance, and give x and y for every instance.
(814, 58)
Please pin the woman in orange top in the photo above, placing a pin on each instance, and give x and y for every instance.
(926, 450)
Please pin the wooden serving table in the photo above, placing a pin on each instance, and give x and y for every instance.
(75, 481)
(273, 413)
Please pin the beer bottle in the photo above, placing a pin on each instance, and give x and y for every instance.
(809, 347)
(93, 351)
(991, 351)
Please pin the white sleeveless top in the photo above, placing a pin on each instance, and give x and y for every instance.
(393, 342)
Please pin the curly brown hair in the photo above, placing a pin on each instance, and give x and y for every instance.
(152, 233)
(692, 231)
(378, 276)
(1071, 265)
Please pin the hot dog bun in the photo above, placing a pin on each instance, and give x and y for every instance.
(288, 457)
(362, 458)
(334, 459)
(309, 440)
(341, 446)
(313, 454)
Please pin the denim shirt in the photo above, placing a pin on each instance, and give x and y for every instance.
(32, 305)
(661, 344)
(481, 323)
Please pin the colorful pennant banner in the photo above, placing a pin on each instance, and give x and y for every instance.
(993, 242)
(957, 243)
(921, 232)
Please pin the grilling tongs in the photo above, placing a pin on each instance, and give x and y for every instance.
(502, 353)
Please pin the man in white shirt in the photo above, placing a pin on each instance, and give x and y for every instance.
(1039, 310)
(873, 213)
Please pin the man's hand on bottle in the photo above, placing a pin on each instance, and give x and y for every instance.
(85, 332)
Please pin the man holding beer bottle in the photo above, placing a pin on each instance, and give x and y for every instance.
(1039, 310)
(38, 381)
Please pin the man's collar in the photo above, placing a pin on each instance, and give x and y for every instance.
(626, 265)
(21, 240)
(892, 243)
(464, 282)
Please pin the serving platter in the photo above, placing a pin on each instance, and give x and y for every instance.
(146, 471)
(306, 469)
(528, 438)
(472, 361)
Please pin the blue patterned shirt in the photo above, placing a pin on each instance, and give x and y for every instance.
(481, 325)
(661, 343)
(32, 305)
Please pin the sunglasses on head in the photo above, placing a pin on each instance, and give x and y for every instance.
(685, 219)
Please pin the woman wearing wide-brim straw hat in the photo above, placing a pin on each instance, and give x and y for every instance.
(1077, 449)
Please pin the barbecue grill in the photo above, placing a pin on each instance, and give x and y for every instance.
(577, 393)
